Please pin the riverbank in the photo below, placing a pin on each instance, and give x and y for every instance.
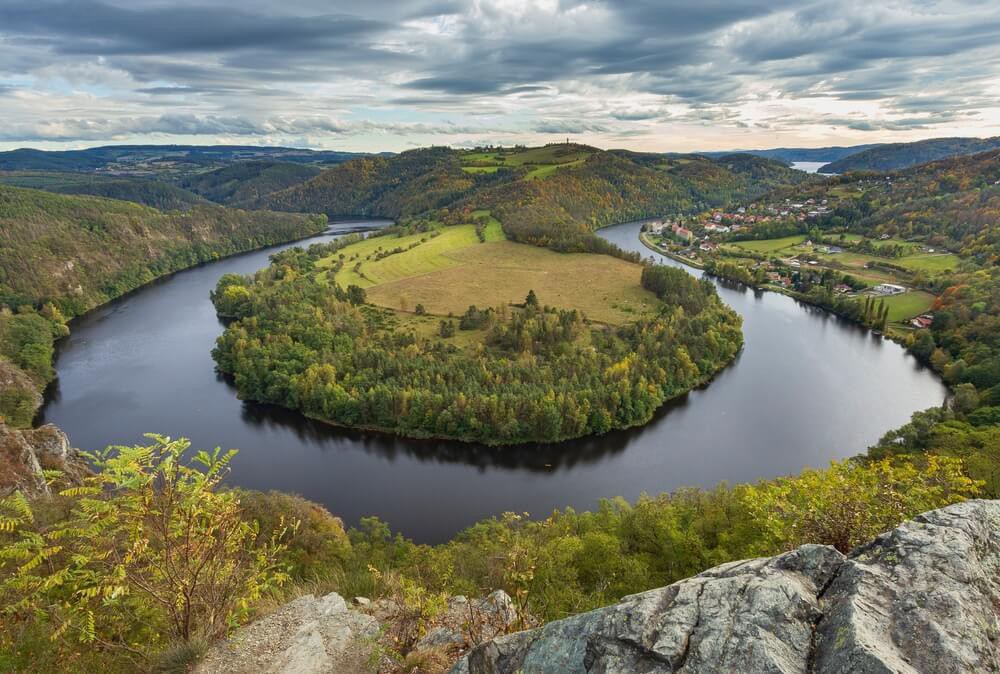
(138, 278)
(644, 238)
(898, 335)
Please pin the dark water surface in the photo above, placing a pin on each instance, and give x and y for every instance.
(807, 388)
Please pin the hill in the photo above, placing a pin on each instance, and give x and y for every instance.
(168, 161)
(61, 255)
(796, 154)
(156, 194)
(246, 182)
(895, 156)
(554, 195)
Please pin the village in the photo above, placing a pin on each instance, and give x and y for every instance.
(804, 260)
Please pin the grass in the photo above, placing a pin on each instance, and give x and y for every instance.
(771, 245)
(430, 255)
(546, 170)
(502, 272)
(930, 262)
(544, 161)
(907, 305)
(449, 272)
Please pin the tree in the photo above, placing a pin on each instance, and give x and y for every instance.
(852, 502)
(965, 398)
(419, 310)
(356, 294)
(150, 540)
(447, 329)
(531, 300)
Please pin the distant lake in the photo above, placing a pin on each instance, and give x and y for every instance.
(809, 166)
(807, 388)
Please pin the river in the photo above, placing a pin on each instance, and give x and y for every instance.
(807, 388)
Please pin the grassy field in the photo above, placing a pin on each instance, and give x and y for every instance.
(771, 245)
(430, 255)
(904, 307)
(544, 161)
(503, 272)
(929, 262)
(449, 272)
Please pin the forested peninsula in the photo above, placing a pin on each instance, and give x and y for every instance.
(518, 371)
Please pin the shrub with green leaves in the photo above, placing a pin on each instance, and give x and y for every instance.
(150, 551)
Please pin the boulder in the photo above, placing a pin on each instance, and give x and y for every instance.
(307, 636)
(26, 453)
(924, 597)
(466, 620)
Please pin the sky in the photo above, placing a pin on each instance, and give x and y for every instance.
(389, 75)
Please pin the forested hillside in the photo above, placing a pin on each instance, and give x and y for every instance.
(555, 195)
(894, 156)
(246, 182)
(62, 255)
(156, 194)
(952, 204)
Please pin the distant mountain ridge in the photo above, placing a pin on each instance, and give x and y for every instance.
(161, 160)
(895, 156)
(799, 154)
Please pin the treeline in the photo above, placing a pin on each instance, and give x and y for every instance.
(540, 374)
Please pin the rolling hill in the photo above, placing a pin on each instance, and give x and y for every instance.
(555, 195)
(895, 156)
(154, 193)
(245, 182)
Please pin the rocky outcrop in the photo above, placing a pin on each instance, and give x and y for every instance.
(25, 454)
(924, 597)
(324, 635)
(307, 636)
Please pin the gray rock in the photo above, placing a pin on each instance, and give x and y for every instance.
(50, 442)
(924, 597)
(488, 617)
(361, 601)
(306, 636)
(26, 453)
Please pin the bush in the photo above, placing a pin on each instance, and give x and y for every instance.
(150, 548)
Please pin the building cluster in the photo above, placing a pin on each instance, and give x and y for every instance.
(725, 221)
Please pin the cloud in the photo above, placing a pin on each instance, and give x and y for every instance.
(409, 71)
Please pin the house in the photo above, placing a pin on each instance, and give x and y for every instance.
(842, 288)
(682, 232)
(708, 246)
(923, 321)
(888, 289)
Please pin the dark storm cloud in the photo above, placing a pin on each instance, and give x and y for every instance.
(90, 27)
